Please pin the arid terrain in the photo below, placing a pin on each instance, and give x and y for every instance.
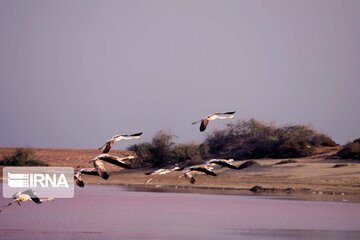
(318, 175)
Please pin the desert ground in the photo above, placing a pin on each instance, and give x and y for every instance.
(317, 175)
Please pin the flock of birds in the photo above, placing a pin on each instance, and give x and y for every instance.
(99, 169)
(188, 172)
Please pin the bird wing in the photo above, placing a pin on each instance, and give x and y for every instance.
(136, 134)
(116, 161)
(34, 197)
(224, 113)
(196, 122)
(203, 124)
(190, 175)
(119, 137)
(148, 181)
(47, 199)
(160, 171)
(86, 171)
(128, 135)
(127, 157)
(77, 173)
(99, 166)
(220, 116)
(203, 169)
(155, 172)
(223, 164)
(89, 171)
(177, 168)
(108, 146)
(165, 171)
(78, 181)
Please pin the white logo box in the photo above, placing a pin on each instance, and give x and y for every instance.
(57, 182)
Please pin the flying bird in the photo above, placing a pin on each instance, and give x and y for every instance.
(205, 121)
(27, 195)
(223, 163)
(162, 171)
(190, 172)
(108, 145)
(190, 176)
(205, 168)
(100, 168)
(87, 171)
(118, 161)
(99, 165)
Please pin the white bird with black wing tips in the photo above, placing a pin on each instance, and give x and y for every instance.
(118, 161)
(108, 145)
(100, 168)
(87, 171)
(223, 163)
(205, 121)
(190, 172)
(162, 171)
(25, 196)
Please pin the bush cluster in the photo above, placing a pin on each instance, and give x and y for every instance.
(22, 157)
(350, 150)
(242, 140)
(162, 150)
(254, 139)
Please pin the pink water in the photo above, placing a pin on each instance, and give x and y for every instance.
(113, 212)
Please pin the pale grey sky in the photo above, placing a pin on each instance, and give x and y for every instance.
(74, 73)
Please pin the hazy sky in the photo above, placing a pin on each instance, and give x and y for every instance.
(74, 73)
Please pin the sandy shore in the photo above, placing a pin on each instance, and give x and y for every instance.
(311, 175)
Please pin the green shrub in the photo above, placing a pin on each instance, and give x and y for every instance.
(254, 139)
(157, 152)
(322, 140)
(294, 141)
(162, 150)
(22, 157)
(246, 139)
(204, 150)
(182, 152)
(350, 151)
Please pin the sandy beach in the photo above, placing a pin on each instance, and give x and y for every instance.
(317, 175)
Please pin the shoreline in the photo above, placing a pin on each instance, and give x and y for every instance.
(313, 177)
(285, 194)
(294, 194)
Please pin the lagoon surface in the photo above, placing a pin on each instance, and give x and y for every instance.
(115, 212)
